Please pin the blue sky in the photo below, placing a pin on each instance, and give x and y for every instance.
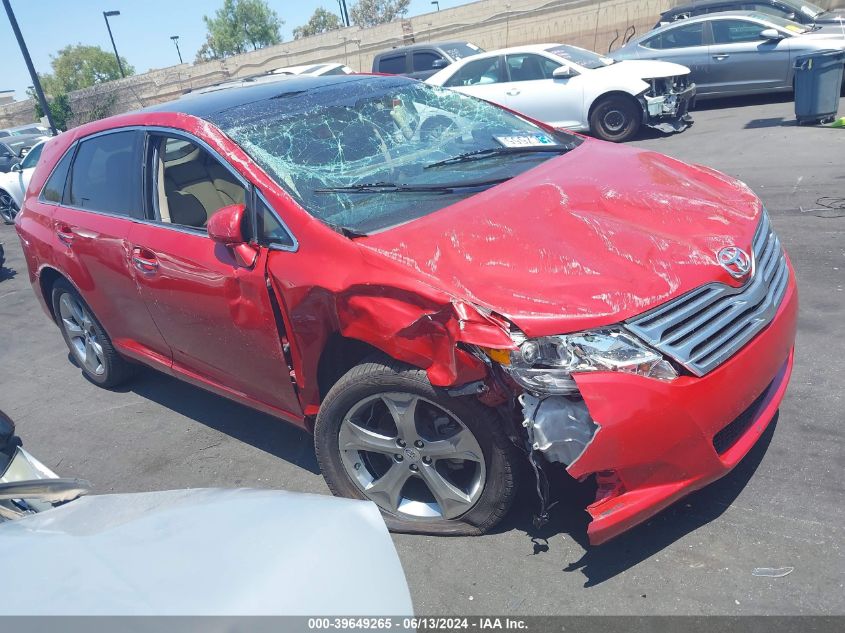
(142, 31)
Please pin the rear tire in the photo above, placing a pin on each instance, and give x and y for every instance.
(8, 208)
(448, 466)
(616, 118)
(89, 345)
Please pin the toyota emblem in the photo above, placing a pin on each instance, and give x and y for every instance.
(735, 260)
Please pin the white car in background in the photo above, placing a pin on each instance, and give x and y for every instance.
(314, 69)
(13, 183)
(570, 87)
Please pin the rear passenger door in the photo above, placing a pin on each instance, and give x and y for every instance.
(214, 312)
(685, 43)
(97, 187)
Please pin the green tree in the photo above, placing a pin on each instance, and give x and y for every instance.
(321, 22)
(239, 26)
(79, 66)
(366, 13)
(75, 67)
(60, 109)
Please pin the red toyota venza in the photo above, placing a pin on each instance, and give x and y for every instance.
(436, 287)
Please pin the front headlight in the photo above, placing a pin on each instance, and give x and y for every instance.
(546, 364)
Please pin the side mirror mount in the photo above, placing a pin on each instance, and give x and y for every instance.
(563, 72)
(16, 167)
(439, 63)
(772, 35)
(226, 227)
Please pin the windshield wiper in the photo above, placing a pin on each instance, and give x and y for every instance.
(345, 231)
(392, 187)
(498, 151)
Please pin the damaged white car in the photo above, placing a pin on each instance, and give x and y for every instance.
(570, 87)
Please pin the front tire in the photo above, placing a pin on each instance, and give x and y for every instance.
(433, 464)
(8, 208)
(89, 345)
(616, 118)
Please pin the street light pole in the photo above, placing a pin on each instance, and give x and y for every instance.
(36, 83)
(106, 15)
(437, 3)
(175, 39)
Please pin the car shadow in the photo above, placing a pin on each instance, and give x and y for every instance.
(242, 423)
(603, 562)
(7, 273)
(742, 101)
(779, 121)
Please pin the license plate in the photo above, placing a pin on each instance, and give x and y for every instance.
(525, 140)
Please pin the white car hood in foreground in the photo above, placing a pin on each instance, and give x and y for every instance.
(203, 552)
(642, 68)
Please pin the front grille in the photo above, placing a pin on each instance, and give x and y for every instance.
(730, 434)
(704, 327)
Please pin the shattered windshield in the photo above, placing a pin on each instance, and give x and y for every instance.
(366, 154)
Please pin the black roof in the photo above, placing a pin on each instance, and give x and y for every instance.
(206, 105)
(411, 47)
(687, 6)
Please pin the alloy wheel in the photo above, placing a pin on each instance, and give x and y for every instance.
(82, 334)
(8, 208)
(411, 456)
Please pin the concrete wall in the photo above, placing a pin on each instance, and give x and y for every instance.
(489, 23)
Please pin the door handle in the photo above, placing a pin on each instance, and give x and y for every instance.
(144, 260)
(64, 233)
(720, 56)
(512, 92)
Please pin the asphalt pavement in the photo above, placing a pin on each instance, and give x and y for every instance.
(783, 506)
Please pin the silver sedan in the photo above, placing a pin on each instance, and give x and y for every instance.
(735, 52)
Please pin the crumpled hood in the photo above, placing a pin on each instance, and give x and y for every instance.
(586, 239)
(644, 69)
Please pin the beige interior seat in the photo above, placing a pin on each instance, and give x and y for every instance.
(196, 186)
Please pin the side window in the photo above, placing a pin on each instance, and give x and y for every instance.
(736, 31)
(106, 174)
(269, 229)
(55, 186)
(424, 60)
(683, 36)
(32, 156)
(393, 65)
(528, 67)
(480, 71)
(191, 185)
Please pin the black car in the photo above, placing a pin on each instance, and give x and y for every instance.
(421, 61)
(795, 10)
(14, 148)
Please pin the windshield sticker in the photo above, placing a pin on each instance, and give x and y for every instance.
(525, 140)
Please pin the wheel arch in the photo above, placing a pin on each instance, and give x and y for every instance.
(612, 93)
(339, 355)
(47, 277)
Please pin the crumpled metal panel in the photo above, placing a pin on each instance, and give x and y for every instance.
(203, 552)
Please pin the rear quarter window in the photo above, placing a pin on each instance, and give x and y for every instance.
(54, 188)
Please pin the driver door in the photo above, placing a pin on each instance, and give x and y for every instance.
(744, 62)
(214, 312)
(532, 90)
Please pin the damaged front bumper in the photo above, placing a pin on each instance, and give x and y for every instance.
(667, 102)
(650, 442)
